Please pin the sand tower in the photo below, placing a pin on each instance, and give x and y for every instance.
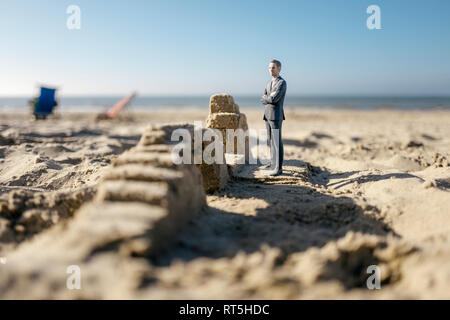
(224, 114)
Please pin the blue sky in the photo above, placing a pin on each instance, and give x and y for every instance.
(204, 47)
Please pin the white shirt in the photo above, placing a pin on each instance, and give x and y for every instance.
(272, 83)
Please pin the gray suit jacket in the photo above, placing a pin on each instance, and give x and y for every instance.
(274, 100)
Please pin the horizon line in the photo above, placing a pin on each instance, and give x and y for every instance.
(297, 95)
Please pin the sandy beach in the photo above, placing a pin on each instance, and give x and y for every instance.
(359, 188)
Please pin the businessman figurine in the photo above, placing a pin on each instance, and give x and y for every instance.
(273, 99)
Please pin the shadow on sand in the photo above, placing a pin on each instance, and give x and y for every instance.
(287, 213)
(284, 212)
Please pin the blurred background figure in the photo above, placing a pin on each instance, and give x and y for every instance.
(114, 110)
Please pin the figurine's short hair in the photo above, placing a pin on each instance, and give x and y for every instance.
(278, 63)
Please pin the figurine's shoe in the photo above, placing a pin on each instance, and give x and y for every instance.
(266, 166)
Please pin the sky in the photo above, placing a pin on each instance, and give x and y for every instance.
(193, 47)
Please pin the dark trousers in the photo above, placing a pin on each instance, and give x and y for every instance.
(275, 142)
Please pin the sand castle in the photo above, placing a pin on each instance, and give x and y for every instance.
(146, 179)
(224, 114)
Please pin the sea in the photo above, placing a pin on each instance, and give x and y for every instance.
(102, 103)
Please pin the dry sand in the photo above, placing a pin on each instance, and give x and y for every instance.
(360, 188)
